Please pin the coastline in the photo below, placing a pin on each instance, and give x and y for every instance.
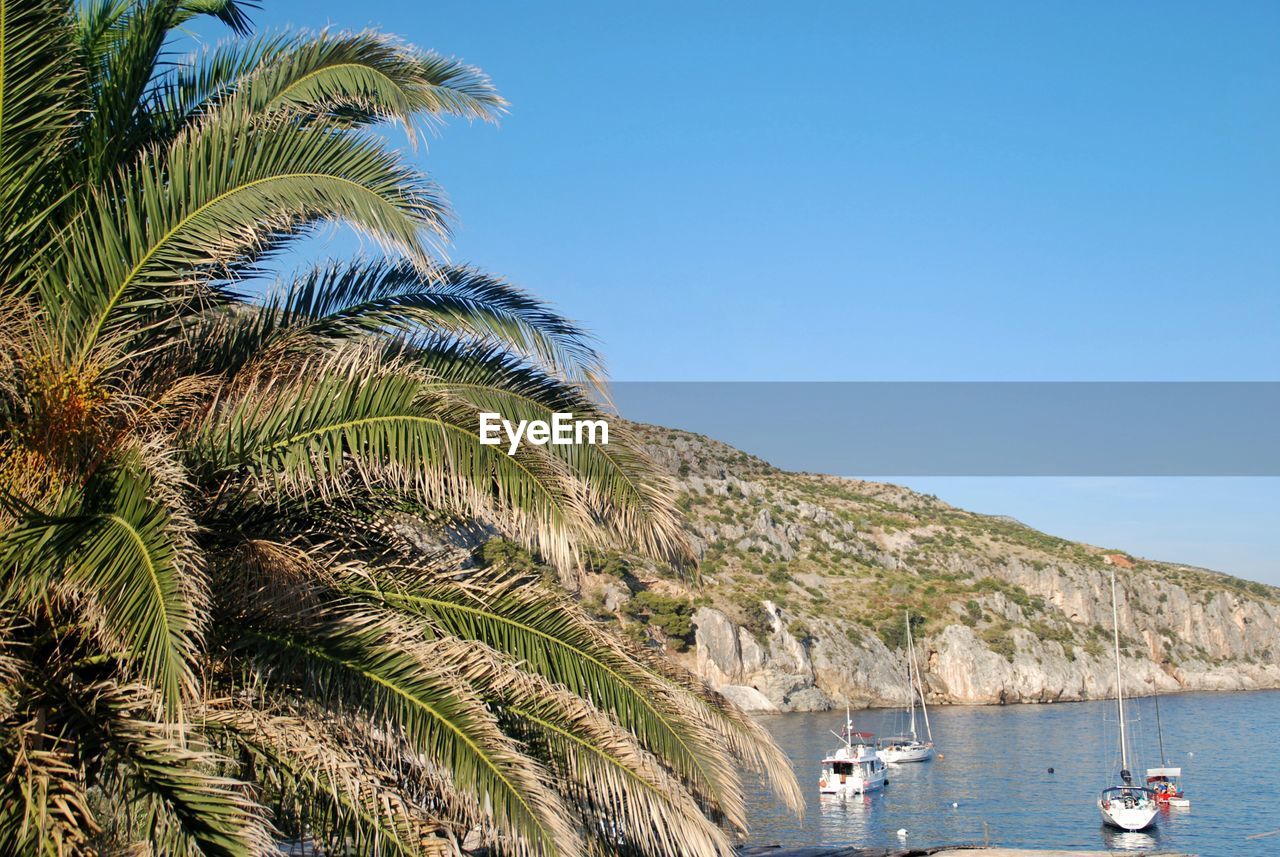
(939, 851)
(1034, 703)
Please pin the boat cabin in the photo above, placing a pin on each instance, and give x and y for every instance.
(1166, 783)
(1126, 796)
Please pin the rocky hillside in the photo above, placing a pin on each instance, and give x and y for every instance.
(805, 580)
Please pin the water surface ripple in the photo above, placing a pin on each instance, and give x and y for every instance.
(995, 770)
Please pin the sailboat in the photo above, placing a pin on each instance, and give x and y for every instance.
(1126, 806)
(854, 768)
(1165, 781)
(909, 748)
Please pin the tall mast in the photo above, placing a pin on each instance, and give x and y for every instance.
(919, 685)
(924, 708)
(1115, 618)
(911, 688)
(1159, 730)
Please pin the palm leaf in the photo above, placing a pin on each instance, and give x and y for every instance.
(362, 77)
(120, 43)
(183, 806)
(626, 492)
(355, 415)
(631, 799)
(352, 78)
(217, 196)
(350, 797)
(550, 637)
(362, 662)
(233, 14)
(127, 552)
(353, 298)
(44, 804)
(748, 741)
(37, 116)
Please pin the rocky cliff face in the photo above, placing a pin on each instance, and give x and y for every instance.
(807, 578)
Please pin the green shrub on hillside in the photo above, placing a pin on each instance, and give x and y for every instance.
(502, 553)
(673, 616)
(999, 640)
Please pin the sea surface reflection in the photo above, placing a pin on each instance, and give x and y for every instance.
(993, 779)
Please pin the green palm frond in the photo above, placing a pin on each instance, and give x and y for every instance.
(172, 795)
(129, 554)
(120, 43)
(348, 417)
(351, 78)
(37, 71)
(217, 196)
(351, 798)
(550, 636)
(625, 491)
(365, 662)
(352, 298)
(631, 799)
(233, 14)
(195, 88)
(455, 307)
(362, 77)
(748, 741)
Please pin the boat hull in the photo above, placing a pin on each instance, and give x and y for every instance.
(851, 786)
(1138, 817)
(902, 755)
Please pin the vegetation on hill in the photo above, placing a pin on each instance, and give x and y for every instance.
(821, 547)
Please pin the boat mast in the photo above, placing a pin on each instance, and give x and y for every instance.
(911, 688)
(1159, 730)
(1115, 618)
(915, 665)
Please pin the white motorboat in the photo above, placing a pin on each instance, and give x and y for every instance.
(909, 748)
(1125, 806)
(855, 767)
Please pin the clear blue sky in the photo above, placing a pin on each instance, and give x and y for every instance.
(893, 191)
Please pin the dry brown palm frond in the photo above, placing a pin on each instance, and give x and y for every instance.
(549, 634)
(44, 804)
(319, 769)
(631, 798)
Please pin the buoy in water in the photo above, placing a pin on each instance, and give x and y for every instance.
(954, 804)
(902, 833)
(1051, 770)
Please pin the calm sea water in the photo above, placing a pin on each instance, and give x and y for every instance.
(994, 769)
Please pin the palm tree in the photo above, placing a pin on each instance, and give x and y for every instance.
(230, 609)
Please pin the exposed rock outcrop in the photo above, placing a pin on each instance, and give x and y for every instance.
(807, 579)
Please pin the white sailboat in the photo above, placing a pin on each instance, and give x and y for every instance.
(854, 768)
(909, 748)
(1125, 806)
